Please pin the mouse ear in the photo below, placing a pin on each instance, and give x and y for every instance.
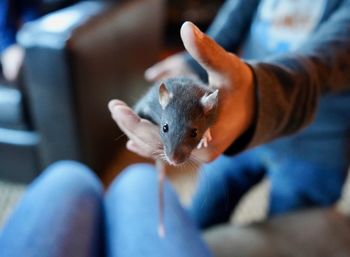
(164, 95)
(208, 101)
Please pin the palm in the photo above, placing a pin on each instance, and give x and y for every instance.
(226, 72)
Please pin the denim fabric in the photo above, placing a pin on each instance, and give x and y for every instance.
(132, 217)
(64, 214)
(59, 215)
(295, 184)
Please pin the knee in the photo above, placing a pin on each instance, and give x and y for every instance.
(70, 178)
(136, 179)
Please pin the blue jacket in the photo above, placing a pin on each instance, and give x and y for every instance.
(309, 83)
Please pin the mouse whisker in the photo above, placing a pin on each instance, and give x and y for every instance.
(196, 159)
(157, 152)
(194, 167)
(160, 147)
(187, 164)
(160, 157)
(119, 137)
(160, 154)
(216, 148)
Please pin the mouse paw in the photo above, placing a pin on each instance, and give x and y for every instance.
(205, 139)
(201, 143)
(207, 135)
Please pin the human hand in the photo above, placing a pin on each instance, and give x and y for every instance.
(172, 66)
(226, 72)
(144, 137)
(12, 59)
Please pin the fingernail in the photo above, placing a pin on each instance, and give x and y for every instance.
(149, 74)
(129, 144)
(111, 104)
(196, 30)
(198, 33)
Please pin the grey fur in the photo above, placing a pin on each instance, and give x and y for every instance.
(183, 113)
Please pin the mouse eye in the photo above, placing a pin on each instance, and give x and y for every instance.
(165, 128)
(193, 132)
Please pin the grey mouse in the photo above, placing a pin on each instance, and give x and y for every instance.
(184, 109)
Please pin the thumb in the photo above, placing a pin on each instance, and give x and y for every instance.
(156, 72)
(211, 56)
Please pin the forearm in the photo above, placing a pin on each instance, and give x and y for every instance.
(289, 86)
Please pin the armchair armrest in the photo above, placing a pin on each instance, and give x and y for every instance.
(79, 58)
(11, 109)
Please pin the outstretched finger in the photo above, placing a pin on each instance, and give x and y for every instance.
(211, 56)
(156, 72)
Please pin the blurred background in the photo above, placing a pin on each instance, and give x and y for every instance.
(62, 61)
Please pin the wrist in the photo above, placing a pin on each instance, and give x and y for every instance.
(245, 138)
(246, 94)
(252, 97)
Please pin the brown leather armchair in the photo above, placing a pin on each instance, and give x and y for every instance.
(77, 59)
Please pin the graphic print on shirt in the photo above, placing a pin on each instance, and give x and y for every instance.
(286, 23)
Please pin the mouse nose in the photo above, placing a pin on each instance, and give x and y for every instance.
(177, 158)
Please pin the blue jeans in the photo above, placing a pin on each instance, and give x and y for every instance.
(295, 184)
(65, 213)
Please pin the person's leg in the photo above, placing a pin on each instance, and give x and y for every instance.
(59, 216)
(308, 233)
(221, 185)
(131, 208)
(298, 184)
